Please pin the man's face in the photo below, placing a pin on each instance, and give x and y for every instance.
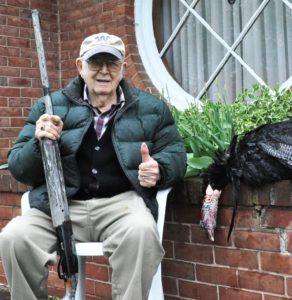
(102, 74)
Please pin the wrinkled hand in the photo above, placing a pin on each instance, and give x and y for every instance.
(149, 173)
(49, 126)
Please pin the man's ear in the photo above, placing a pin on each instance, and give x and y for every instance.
(79, 65)
(124, 67)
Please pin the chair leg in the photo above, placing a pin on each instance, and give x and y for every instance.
(80, 290)
(156, 291)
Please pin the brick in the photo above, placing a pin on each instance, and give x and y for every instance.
(8, 132)
(289, 286)
(29, 53)
(10, 199)
(4, 143)
(30, 73)
(55, 281)
(269, 297)
(3, 40)
(168, 248)
(170, 285)
(103, 290)
(3, 61)
(257, 240)
(9, 92)
(276, 262)
(186, 213)
(10, 111)
(100, 260)
(191, 191)
(169, 213)
(97, 272)
(224, 216)
(29, 92)
(18, 3)
(18, 42)
(194, 253)
(177, 232)
(3, 81)
(20, 82)
(282, 193)
(199, 235)
(16, 211)
(216, 275)
(19, 62)
(220, 237)
(3, 19)
(4, 122)
(3, 101)
(9, 10)
(90, 287)
(42, 5)
(247, 218)
(236, 258)
(17, 122)
(228, 294)
(197, 291)
(261, 282)
(6, 213)
(277, 218)
(6, 71)
(10, 31)
(19, 102)
(178, 269)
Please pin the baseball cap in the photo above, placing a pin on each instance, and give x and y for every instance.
(102, 43)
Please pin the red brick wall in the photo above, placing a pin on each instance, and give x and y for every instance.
(19, 74)
(255, 264)
(64, 26)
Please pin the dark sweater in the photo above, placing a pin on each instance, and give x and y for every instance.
(101, 173)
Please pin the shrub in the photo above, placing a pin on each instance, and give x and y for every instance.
(210, 128)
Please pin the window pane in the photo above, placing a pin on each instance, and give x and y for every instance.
(194, 53)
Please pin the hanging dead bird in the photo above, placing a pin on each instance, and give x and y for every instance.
(261, 156)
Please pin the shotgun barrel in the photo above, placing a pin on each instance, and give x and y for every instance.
(68, 265)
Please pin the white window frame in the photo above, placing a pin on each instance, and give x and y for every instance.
(153, 63)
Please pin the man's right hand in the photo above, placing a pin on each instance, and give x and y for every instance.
(49, 126)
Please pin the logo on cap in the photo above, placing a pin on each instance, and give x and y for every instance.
(102, 43)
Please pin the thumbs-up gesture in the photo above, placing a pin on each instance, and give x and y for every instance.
(149, 173)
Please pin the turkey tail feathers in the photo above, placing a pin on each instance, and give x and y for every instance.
(281, 151)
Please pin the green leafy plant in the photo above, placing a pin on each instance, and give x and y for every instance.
(211, 127)
(204, 130)
(259, 106)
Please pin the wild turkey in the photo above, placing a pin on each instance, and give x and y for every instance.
(261, 156)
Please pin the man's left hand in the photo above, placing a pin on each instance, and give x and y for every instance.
(149, 172)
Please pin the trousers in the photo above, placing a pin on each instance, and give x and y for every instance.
(123, 223)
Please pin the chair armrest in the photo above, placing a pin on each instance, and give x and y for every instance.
(162, 200)
(25, 206)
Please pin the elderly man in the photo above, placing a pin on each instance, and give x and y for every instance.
(118, 146)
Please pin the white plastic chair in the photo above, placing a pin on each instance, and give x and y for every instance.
(95, 249)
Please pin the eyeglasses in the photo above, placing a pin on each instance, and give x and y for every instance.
(95, 64)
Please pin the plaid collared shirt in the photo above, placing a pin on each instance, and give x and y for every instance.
(101, 120)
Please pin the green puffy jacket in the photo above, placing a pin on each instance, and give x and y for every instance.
(143, 118)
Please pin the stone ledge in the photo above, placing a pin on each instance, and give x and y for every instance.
(191, 191)
(276, 194)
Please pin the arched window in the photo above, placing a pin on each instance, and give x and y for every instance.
(193, 47)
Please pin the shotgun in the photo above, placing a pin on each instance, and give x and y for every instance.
(68, 264)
